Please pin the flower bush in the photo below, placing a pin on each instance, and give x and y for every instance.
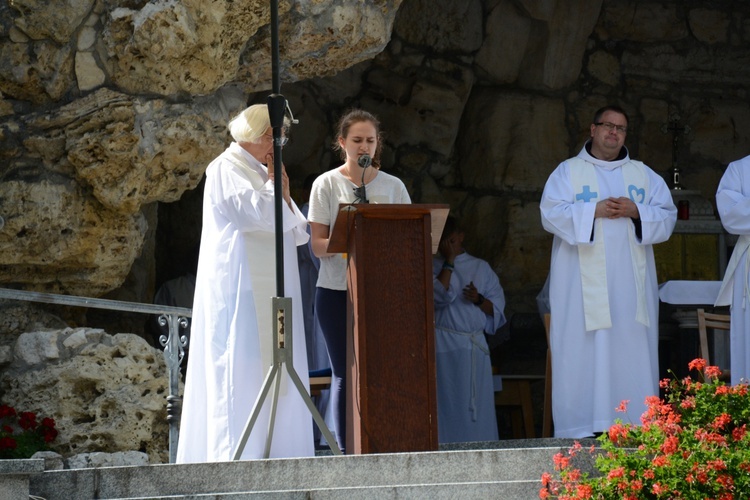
(21, 435)
(692, 444)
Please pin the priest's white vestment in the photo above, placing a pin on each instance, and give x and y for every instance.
(465, 391)
(733, 203)
(594, 371)
(231, 347)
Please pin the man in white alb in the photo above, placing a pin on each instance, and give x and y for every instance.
(733, 203)
(605, 212)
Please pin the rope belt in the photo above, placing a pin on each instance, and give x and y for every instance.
(477, 342)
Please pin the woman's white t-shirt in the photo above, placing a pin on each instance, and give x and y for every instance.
(328, 191)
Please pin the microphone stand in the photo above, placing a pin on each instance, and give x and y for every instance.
(364, 161)
(281, 306)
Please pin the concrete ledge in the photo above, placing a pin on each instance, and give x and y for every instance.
(25, 466)
(14, 477)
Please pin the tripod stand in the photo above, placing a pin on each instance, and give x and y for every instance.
(282, 355)
(281, 307)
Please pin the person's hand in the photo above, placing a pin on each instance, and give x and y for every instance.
(284, 179)
(471, 293)
(615, 208)
(270, 165)
(450, 247)
(622, 207)
(601, 209)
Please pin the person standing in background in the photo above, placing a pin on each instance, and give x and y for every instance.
(469, 302)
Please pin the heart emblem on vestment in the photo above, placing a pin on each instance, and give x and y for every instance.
(634, 192)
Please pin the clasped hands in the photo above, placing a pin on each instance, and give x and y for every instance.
(614, 208)
(284, 179)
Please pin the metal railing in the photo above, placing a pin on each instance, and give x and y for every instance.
(174, 345)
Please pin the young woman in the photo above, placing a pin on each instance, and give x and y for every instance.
(358, 135)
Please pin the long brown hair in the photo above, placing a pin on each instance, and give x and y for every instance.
(350, 118)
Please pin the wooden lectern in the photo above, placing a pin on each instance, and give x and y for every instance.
(391, 397)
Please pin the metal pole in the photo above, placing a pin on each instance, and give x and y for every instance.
(174, 352)
(276, 110)
(281, 308)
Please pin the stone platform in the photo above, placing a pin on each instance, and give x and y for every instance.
(502, 469)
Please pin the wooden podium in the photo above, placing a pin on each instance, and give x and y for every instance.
(391, 397)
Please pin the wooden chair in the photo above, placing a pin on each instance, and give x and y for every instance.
(516, 395)
(712, 321)
(319, 381)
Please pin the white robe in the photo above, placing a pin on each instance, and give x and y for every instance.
(231, 348)
(465, 392)
(593, 371)
(733, 203)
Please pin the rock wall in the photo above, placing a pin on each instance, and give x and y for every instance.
(105, 392)
(110, 106)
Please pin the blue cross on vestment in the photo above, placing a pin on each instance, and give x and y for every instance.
(586, 195)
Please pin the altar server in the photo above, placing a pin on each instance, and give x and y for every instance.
(469, 303)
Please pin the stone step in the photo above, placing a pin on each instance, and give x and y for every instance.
(451, 491)
(462, 473)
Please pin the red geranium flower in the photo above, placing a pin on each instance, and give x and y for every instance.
(692, 443)
(21, 435)
(7, 411)
(27, 420)
(8, 443)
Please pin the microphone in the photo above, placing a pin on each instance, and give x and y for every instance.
(364, 161)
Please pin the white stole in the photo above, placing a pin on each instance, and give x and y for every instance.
(592, 259)
(725, 292)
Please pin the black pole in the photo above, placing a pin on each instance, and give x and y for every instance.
(276, 110)
(282, 352)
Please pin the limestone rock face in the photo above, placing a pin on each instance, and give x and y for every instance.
(513, 143)
(108, 106)
(78, 177)
(58, 239)
(106, 393)
(53, 19)
(450, 27)
(537, 44)
(192, 46)
(322, 37)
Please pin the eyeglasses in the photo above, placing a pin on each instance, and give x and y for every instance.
(283, 141)
(611, 126)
